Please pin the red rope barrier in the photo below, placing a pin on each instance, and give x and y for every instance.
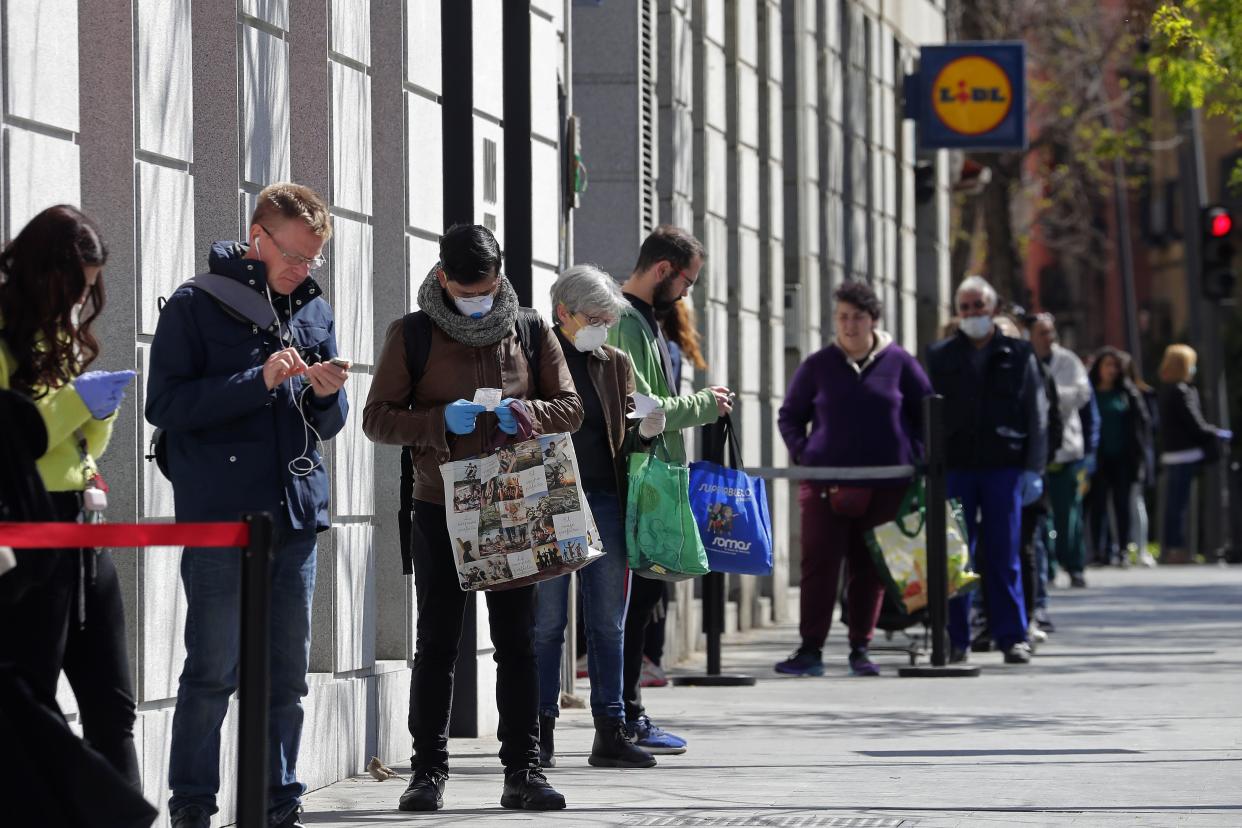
(72, 535)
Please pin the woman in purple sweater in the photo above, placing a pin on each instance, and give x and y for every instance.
(862, 397)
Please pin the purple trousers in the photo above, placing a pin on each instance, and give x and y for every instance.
(827, 540)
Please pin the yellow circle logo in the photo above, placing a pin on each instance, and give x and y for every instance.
(972, 95)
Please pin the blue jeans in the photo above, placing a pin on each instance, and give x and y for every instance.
(1178, 479)
(996, 495)
(212, 579)
(1041, 562)
(603, 598)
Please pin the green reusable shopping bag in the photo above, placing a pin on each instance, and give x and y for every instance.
(899, 550)
(661, 535)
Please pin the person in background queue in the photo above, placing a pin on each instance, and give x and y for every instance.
(474, 343)
(862, 398)
(1188, 442)
(996, 422)
(1067, 471)
(1124, 435)
(244, 410)
(51, 296)
(669, 263)
(587, 303)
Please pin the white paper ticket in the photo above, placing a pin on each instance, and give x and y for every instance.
(643, 405)
(489, 398)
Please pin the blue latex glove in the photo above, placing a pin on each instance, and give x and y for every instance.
(102, 391)
(1224, 434)
(508, 423)
(1032, 487)
(459, 416)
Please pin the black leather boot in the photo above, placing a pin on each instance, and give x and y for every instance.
(612, 749)
(425, 791)
(528, 789)
(547, 749)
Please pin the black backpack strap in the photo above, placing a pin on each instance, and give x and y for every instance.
(530, 337)
(416, 332)
(238, 300)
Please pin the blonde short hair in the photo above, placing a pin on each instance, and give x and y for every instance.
(1177, 363)
(280, 202)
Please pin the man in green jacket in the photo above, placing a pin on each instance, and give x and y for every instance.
(668, 266)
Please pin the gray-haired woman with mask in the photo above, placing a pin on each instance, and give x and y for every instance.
(586, 302)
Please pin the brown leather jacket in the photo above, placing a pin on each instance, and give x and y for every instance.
(613, 380)
(398, 414)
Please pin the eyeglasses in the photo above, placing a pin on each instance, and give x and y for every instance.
(298, 261)
(597, 320)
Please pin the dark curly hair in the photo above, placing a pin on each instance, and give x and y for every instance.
(859, 294)
(42, 281)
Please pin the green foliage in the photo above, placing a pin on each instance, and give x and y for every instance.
(1196, 55)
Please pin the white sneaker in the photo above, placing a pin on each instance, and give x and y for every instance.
(1146, 559)
(652, 675)
(1036, 635)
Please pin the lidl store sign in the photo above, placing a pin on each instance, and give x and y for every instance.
(970, 95)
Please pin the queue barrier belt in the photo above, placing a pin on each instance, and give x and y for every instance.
(75, 535)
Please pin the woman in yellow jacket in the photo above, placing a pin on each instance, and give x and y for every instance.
(51, 292)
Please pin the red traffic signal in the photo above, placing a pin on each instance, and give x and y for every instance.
(1219, 222)
(1217, 277)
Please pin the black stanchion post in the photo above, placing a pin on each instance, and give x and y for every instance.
(935, 497)
(937, 554)
(254, 684)
(713, 618)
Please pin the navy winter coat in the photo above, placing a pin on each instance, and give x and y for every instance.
(230, 439)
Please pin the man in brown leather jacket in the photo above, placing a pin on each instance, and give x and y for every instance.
(474, 344)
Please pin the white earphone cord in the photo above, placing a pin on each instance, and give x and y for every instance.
(302, 465)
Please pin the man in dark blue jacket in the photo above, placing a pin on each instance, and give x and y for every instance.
(244, 410)
(996, 426)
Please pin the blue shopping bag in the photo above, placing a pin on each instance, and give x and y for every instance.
(731, 509)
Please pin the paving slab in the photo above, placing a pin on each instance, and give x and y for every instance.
(1129, 715)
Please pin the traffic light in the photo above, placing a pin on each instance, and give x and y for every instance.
(1218, 277)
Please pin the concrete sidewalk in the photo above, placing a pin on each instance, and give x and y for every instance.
(1130, 715)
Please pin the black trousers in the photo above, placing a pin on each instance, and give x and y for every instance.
(441, 609)
(645, 594)
(46, 631)
(35, 622)
(1110, 486)
(97, 666)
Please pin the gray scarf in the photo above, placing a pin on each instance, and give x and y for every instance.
(477, 333)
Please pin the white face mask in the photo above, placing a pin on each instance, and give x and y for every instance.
(589, 337)
(976, 327)
(476, 307)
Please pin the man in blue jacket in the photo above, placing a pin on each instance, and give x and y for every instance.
(243, 411)
(996, 434)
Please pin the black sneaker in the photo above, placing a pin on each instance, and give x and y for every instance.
(861, 663)
(425, 791)
(802, 662)
(1044, 620)
(1077, 580)
(982, 642)
(957, 656)
(613, 749)
(1019, 653)
(547, 742)
(190, 816)
(293, 819)
(528, 789)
